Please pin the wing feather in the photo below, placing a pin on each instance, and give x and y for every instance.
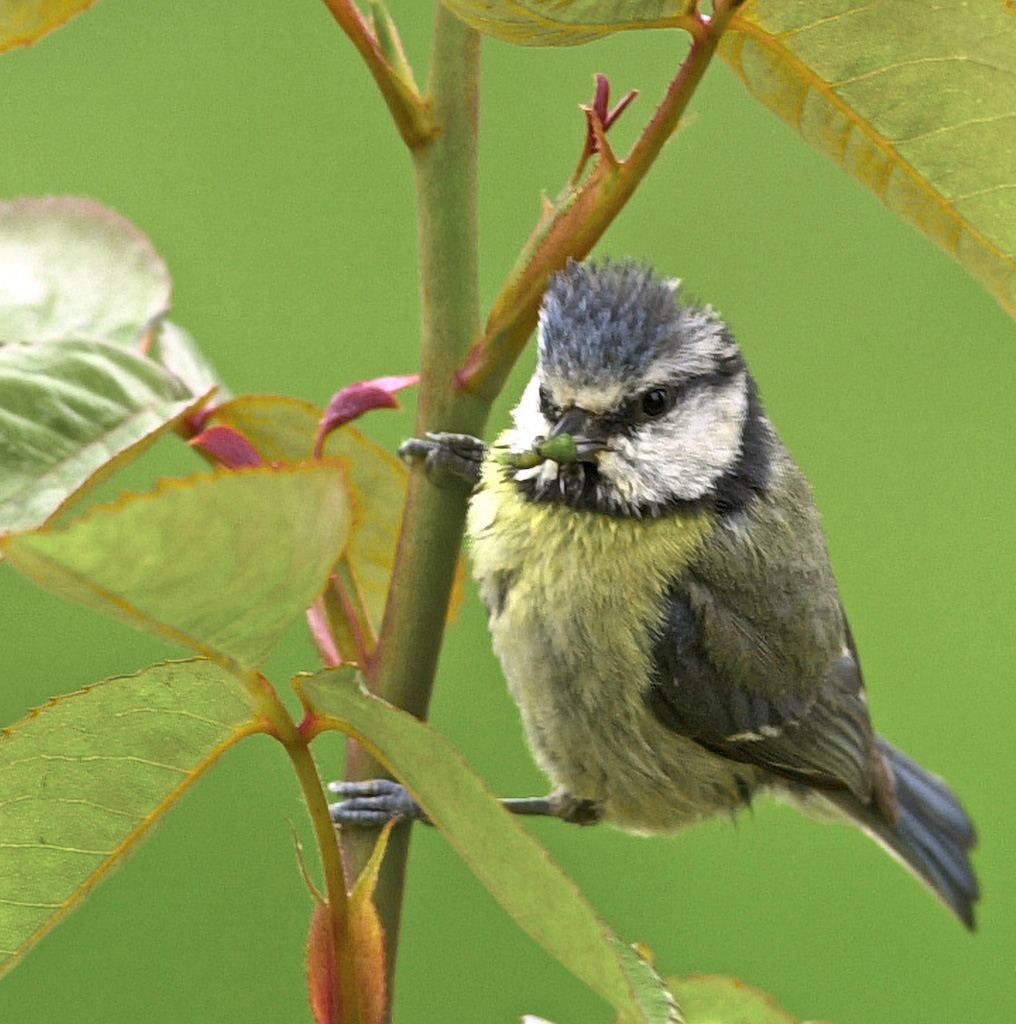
(815, 732)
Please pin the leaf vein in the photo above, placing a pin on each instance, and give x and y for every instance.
(896, 66)
(85, 758)
(977, 193)
(54, 847)
(30, 903)
(829, 20)
(69, 800)
(182, 712)
(921, 136)
(768, 42)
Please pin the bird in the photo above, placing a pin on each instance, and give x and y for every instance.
(660, 595)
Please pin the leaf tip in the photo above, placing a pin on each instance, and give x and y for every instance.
(356, 399)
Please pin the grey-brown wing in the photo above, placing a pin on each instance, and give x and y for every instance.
(812, 731)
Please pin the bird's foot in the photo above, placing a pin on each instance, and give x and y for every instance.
(373, 802)
(447, 455)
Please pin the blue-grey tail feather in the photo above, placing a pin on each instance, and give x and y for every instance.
(933, 835)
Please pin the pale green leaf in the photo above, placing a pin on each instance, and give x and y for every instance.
(566, 22)
(518, 872)
(71, 412)
(23, 22)
(85, 777)
(220, 563)
(73, 268)
(916, 99)
(713, 999)
(174, 349)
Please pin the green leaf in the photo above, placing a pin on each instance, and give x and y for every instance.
(84, 778)
(219, 563)
(72, 268)
(566, 22)
(284, 429)
(713, 999)
(518, 872)
(71, 412)
(23, 22)
(916, 100)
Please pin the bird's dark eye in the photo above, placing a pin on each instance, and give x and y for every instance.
(658, 401)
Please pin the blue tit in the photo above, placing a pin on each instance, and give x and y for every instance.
(662, 600)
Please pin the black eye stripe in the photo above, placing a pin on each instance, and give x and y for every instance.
(635, 410)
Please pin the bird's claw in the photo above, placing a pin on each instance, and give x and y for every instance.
(373, 802)
(447, 455)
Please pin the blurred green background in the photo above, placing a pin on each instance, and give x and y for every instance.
(248, 142)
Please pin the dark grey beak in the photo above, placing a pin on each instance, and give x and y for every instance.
(581, 427)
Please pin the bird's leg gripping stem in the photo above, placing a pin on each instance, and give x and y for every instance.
(458, 456)
(374, 802)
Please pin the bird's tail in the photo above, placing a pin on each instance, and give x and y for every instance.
(932, 835)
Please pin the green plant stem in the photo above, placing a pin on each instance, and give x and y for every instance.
(406, 659)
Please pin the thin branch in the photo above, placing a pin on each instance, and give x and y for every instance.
(571, 228)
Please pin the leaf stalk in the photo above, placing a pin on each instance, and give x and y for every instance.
(296, 741)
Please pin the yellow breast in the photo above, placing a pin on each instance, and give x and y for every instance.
(576, 600)
(599, 559)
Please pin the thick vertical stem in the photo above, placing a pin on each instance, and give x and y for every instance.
(406, 660)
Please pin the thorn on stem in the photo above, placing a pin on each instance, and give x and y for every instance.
(600, 118)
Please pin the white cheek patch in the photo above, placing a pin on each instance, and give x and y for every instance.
(530, 423)
(685, 454)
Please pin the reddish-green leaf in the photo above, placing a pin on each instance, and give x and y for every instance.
(72, 268)
(367, 937)
(219, 563)
(353, 401)
(519, 873)
(84, 778)
(283, 429)
(365, 947)
(322, 984)
(227, 447)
